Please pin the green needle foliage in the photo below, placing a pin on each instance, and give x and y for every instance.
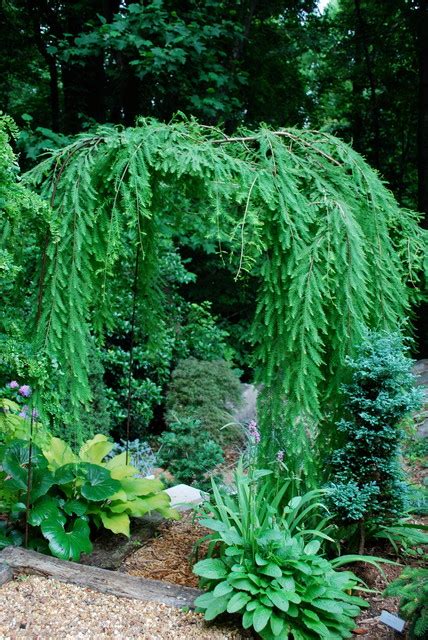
(368, 479)
(412, 589)
(299, 208)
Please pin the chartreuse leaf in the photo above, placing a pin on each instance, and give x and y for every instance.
(59, 454)
(67, 545)
(95, 450)
(140, 486)
(115, 522)
(119, 469)
(210, 568)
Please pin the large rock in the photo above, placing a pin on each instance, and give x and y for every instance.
(184, 497)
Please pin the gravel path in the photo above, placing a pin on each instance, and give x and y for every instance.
(42, 609)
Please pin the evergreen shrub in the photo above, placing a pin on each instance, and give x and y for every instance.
(189, 453)
(206, 391)
(368, 482)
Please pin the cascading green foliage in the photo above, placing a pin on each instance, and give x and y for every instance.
(333, 250)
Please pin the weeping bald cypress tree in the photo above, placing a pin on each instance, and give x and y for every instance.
(334, 252)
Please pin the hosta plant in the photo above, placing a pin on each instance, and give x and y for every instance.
(266, 564)
(70, 494)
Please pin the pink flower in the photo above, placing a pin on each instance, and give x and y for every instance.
(253, 432)
(13, 384)
(25, 390)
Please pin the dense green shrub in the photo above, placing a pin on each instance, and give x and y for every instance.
(412, 589)
(367, 478)
(188, 452)
(265, 562)
(206, 391)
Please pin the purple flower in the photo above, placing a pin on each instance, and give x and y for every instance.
(35, 414)
(253, 432)
(22, 414)
(280, 456)
(13, 384)
(25, 390)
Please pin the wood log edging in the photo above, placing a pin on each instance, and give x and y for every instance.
(18, 561)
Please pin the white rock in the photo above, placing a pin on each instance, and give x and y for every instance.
(184, 497)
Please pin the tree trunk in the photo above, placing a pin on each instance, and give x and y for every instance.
(423, 110)
(361, 35)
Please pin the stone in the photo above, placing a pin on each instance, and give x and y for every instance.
(6, 573)
(184, 497)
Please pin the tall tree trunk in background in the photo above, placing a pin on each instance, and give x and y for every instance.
(423, 110)
(361, 36)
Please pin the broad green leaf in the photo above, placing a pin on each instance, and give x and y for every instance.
(247, 619)
(214, 525)
(67, 545)
(331, 606)
(272, 570)
(210, 568)
(68, 473)
(74, 506)
(98, 484)
(45, 507)
(260, 561)
(16, 460)
(204, 600)
(116, 522)
(312, 547)
(261, 617)
(278, 599)
(222, 588)
(238, 601)
(276, 624)
(217, 606)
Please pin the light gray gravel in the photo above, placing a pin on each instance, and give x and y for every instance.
(43, 609)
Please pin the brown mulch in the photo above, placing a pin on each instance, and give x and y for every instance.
(170, 555)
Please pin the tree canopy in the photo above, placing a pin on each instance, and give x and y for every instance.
(331, 250)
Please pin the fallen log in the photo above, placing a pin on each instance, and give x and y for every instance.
(20, 561)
